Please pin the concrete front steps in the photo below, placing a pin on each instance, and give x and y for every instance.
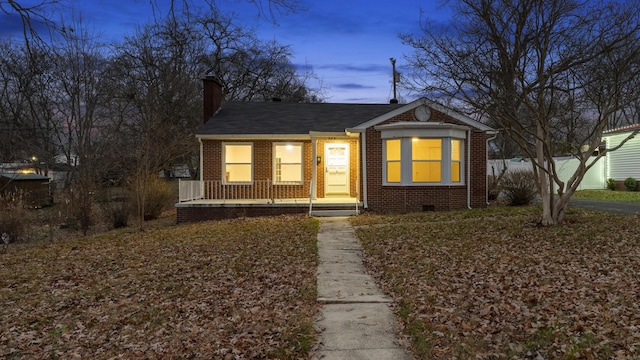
(330, 210)
(331, 213)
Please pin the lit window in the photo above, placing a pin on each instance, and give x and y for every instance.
(456, 160)
(423, 161)
(393, 160)
(426, 160)
(287, 163)
(238, 162)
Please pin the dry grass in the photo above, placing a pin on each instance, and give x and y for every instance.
(241, 289)
(489, 283)
(625, 196)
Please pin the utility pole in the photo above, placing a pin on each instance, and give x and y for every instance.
(395, 79)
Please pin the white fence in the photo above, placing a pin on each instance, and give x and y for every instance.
(595, 178)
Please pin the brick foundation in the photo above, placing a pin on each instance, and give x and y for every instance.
(187, 214)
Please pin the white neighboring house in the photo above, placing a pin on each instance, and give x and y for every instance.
(618, 165)
(624, 162)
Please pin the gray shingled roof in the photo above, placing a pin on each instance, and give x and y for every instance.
(265, 118)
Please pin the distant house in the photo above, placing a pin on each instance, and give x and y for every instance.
(623, 162)
(33, 187)
(618, 165)
(276, 158)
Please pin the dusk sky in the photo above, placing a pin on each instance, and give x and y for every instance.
(347, 44)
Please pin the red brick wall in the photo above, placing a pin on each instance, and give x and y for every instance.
(262, 156)
(211, 160)
(212, 97)
(418, 198)
(263, 161)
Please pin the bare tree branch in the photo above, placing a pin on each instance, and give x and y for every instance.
(552, 74)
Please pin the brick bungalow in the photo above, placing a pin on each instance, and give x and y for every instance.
(268, 158)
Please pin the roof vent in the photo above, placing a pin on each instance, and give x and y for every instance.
(276, 99)
(393, 101)
(423, 113)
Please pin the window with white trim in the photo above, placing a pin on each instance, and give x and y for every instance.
(237, 162)
(426, 160)
(287, 163)
(456, 160)
(423, 161)
(393, 164)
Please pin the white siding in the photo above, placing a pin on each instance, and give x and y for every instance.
(624, 162)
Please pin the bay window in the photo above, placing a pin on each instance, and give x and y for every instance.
(422, 153)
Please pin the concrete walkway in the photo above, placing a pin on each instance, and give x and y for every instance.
(356, 322)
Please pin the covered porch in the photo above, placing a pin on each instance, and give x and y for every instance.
(215, 199)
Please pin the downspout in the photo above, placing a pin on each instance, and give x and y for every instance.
(363, 143)
(486, 157)
(605, 173)
(469, 169)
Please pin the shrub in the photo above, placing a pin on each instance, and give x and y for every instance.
(116, 209)
(519, 187)
(158, 196)
(80, 214)
(630, 184)
(12, 217)
(611, 184)
(493, 187)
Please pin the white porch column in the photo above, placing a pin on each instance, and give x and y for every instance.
(314, 168)
(363, 144)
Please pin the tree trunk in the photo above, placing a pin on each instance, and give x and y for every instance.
(545, 184)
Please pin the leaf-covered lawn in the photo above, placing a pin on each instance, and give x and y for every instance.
(241, 289)
(489, 283)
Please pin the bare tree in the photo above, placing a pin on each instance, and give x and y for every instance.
(542, 70)
(250, 69)
(28, 126)
(32, 15)
(156, 84)
(41, 12)
(80, 99)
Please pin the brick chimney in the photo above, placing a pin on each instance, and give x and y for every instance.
(212, 97)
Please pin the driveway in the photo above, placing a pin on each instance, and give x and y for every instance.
(627, 208)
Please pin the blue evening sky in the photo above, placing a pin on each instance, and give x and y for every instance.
(346, 43)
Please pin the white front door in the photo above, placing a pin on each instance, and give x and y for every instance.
(336, 169)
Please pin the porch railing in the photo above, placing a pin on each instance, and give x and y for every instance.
(189, 190)
(258, 189)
